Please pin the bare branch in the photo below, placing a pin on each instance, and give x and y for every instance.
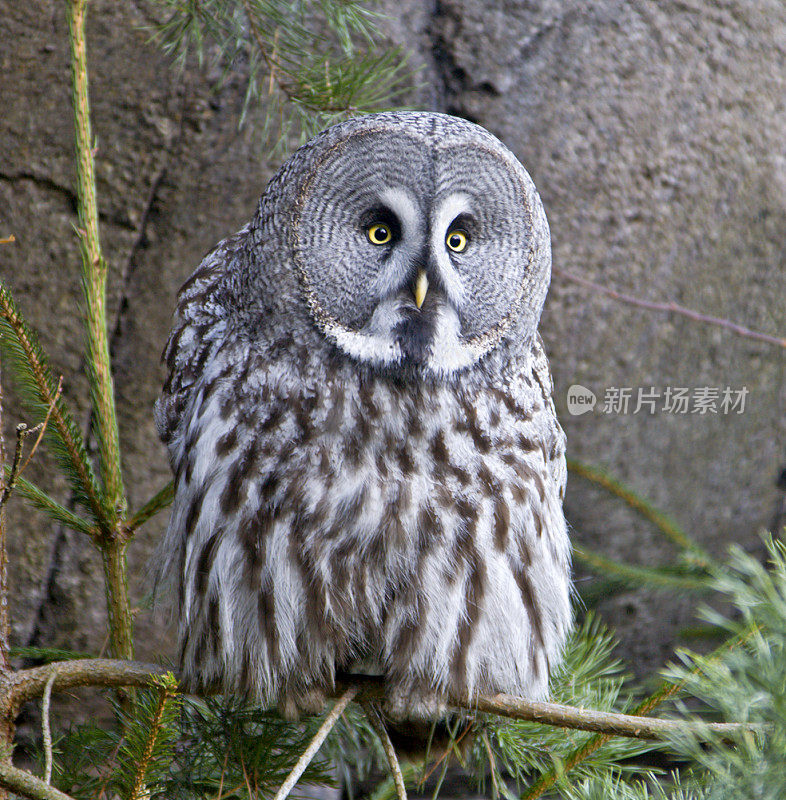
(586, 719)
(46, 731)
(8, 239)
(378, 724)
(22, 432)
(28, 785)
(28, 684)
(330, 720)
(41, 427)
(672, 308)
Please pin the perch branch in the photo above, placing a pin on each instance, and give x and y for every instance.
(30, 683)
(586, 719)
(330, 720)
(28, 785)
(27, 684)
(672, 308)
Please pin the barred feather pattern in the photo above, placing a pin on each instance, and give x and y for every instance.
(325, 518)
(331, 516)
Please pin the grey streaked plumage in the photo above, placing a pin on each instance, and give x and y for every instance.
(362, 483)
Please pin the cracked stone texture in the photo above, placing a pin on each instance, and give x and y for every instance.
(654, 131)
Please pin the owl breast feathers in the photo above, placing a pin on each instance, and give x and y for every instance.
(368, 468)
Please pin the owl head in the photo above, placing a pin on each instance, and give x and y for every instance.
(417, 240)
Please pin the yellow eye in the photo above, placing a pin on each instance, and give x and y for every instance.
(456, 240)
(379, 233)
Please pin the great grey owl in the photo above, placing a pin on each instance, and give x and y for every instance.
(368, 468)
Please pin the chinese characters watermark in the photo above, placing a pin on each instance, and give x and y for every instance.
(652, 400)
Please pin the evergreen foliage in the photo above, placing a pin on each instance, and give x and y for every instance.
(316, 62)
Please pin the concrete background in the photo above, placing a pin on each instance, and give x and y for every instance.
(654, 132)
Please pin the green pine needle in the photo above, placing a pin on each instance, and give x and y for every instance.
(39, 391)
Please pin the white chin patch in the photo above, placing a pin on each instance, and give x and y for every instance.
(377, 342)
(449, 353)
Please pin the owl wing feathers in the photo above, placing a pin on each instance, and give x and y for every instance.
(198, 329)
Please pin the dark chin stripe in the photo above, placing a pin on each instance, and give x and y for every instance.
(416, 333)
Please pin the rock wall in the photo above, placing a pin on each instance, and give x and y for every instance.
(654, 131)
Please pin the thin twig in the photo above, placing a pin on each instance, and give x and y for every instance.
(41, 427)
(8, 486)
(672, 308)
(7, 716)
(378, 725)
(46, 731)
(330, 720)
(492, 763)
(452, 747)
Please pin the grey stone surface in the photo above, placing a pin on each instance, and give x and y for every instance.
(654, 132)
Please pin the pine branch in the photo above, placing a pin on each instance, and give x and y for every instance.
(664, 692)
(314, 63)
(30, 358)
(94, 272)
(642, 506)
(59, 513)
(672, 308)
(158, 502)
(113, 540)
(167, 691)
(628, 574)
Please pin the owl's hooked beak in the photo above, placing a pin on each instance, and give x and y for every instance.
(420, 288)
